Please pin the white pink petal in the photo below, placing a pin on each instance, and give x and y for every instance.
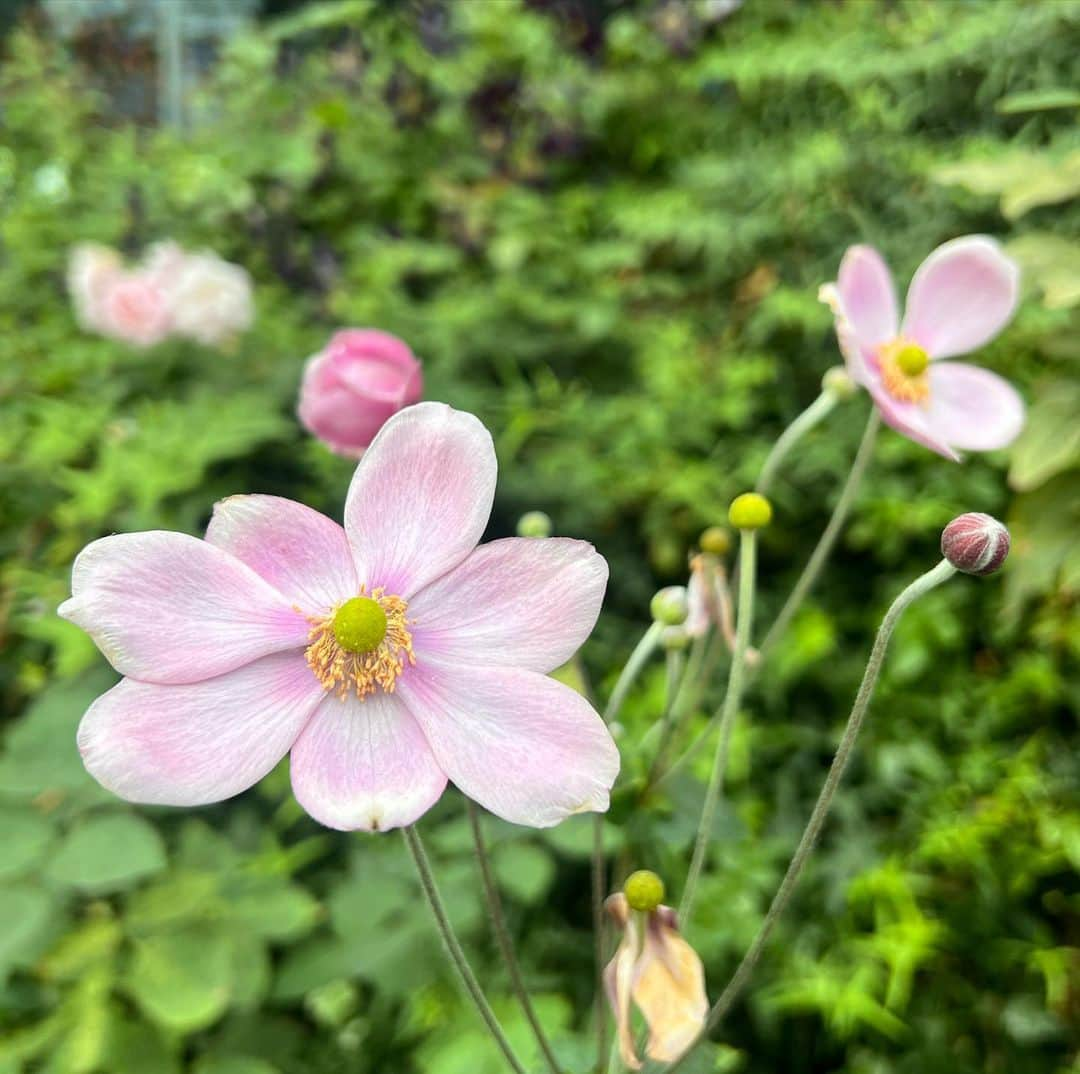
(168, 608)
(196, 743)
(516, 602)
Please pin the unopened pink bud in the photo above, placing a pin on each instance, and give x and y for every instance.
(355, 385)
(975, 543)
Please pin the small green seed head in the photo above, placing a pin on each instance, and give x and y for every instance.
(360, 625)
(912, 360)
(534, 524)
(670, 605)
(750, 511)
(716, 541)
(837, 381)
(644, 890)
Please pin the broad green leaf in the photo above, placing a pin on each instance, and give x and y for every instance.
(25, 836)
(26, 913)
(275, 910)
(183, 980)
(1050, 442)
(524, 870)
(107, 853)
(1052, 263)
(40, 760)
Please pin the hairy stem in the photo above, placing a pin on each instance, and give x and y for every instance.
(943, 571)
(832, 531)
(503, 937)
(791, 436)
(453, 947)
(744, 619)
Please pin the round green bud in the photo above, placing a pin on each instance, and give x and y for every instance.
(837, 381)
(912, 360)
(750, 511)
(534, 524)
(644, 890)
(360, 625)
(670, 605)
(716, 541)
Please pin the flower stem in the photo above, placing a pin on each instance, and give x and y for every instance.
(791, 435)
(666, 728)
(453, 947)
(599, 883)
(832, 531)
(744, 619)
(943, 571)
(628, 676)
(503, 938)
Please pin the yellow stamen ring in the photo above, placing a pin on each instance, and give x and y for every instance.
(362, 645)
(903, 370)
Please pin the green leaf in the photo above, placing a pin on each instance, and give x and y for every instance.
(1042, 100)
(1050, 442)
(25, 836)
(25, 912)
(183, 980)
(1052, 264)
(107, 853)
(524, 870)
(40, 760)
(275, 910)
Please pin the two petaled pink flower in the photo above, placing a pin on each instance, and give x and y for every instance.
(385, 657)
(960, 297)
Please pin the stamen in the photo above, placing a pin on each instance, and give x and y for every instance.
(363, 644)
(903, 370)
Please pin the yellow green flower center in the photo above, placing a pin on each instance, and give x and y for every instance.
(359, 625)
(903, 370)
(362, 645)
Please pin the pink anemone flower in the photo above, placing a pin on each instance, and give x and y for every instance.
(960, 298)
(385, 657)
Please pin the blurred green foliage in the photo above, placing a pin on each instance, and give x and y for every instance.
(603, 228)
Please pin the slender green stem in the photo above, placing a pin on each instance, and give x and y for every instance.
(791, 436)
(628, 676)
(599, 884)
(503, 937)
(676, 661)
(744, 619)
(453, 947)
(943, 571)
(832, 531)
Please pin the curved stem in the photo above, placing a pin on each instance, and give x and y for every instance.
(503, 938)
(791, 435)
(628, 676)
(744, 618)
(453, 947)
(943, 571)
(825, 545)
(598, 884)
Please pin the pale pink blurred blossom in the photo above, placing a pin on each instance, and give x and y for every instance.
(211, 299)
(134, 309)
(91, 268)
(352, 387)
(257, 642)
(960, 298)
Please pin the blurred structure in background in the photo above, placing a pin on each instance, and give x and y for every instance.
(149, 53)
